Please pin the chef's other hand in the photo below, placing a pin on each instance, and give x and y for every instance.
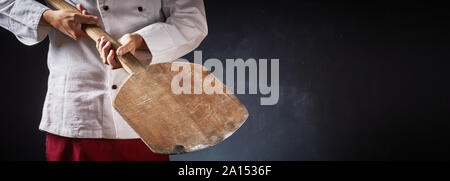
(130, 43)
(69, 22)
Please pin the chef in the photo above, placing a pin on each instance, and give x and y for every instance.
(78, 115)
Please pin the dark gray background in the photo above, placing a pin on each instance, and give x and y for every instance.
(365, 81)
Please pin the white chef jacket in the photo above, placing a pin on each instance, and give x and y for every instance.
(80, 91)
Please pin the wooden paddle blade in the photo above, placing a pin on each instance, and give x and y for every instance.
(173, 124)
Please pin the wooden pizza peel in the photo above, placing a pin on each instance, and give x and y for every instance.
(170, 123)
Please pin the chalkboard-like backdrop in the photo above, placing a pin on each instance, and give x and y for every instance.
(365, 81)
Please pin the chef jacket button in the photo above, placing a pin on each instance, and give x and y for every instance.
(140, 9)
(114, 86)
(105, 8)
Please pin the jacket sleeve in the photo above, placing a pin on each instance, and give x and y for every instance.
(22, 17)
(184, 29)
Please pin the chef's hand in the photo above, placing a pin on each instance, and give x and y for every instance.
(69, 22)
(130, 43)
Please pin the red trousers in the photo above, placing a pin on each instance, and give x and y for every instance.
(85, 149)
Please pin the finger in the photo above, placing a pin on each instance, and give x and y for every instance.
(110, 57)
(79, 7)
(125, 48)
(82, 9)
(105, 59)
(101, 44)
(97, 43)
(85, 19)
(106, 49)
(112, 61)
(79, 33)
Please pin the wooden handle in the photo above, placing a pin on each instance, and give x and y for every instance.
(128, 61)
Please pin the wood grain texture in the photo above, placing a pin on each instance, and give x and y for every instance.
(170, 123)
(174, 124)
